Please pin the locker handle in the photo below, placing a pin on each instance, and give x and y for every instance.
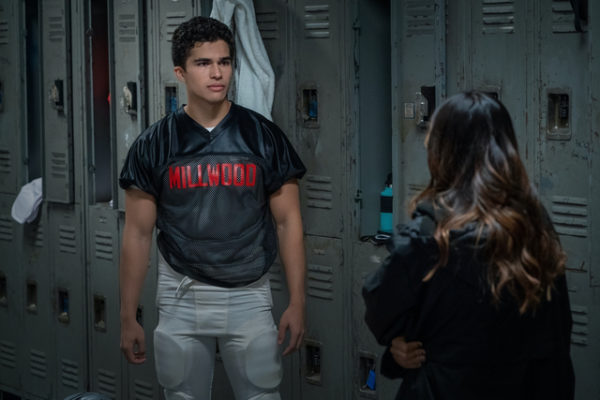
(63, 306)
(1, 96)
(100, 313)
(425, 101)
(309, 106)
(367, 365)
(3, 291)
(32, 297)
(129, 99)
(171, 102)
(56, 95)
(139, 316)
(313, 362)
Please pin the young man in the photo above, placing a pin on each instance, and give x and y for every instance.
(219, 182)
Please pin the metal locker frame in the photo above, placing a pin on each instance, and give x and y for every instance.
(128, 84)
(103, 302)
(69, 289)
(273, 21)
(11, 112)
(413, 36)
(562, 154)
(371, 152)
(141, 381)
(57, 87)
(321, 105)
(38, 336)
(373, 140)
(11, 297)
(163, 18)
(324, 350)
(364, 346)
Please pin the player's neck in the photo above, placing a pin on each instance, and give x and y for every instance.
(207, 114)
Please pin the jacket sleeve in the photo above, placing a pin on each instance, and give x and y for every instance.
(391, 292)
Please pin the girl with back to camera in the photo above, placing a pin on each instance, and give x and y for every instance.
(472, 302)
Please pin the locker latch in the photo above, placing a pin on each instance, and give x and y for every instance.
(425, 105)
(100, 313)
(3, 291)
(312, 370)
(32, 297)
(129, 99)
(559, 115)
(63, 306)
(56, 95)
(1, 96)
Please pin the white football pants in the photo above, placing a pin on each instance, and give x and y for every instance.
(194, 317)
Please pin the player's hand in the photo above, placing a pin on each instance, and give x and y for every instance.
(133, 342)
(407, 354)
(292, 320)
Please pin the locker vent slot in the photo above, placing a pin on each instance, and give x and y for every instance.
(570, 215)
(319, 191)
(316, 21)
(275, 276)
(56, 28)
(58, 165)
(104, 245)
(143, 390)
(562, 17)
(3, 31)
(37, 363)
(127, 28)
(6, 229)
(498, 16)
(579, 333)
(267, 25)
(172, 21)
(5, 161)
(320, 281)
(67, 242)
(107, 381)
(70, 374)
(8, 354)
(420, 17)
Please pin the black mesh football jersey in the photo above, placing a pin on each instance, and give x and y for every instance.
(212, 192)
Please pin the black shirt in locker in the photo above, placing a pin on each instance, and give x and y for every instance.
(212, 191)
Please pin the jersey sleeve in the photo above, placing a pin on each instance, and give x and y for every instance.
(284, 162)
(137, 169)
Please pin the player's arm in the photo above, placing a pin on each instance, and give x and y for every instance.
(285, 207)
(140, 217)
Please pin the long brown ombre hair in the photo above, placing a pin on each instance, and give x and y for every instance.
(477, 177)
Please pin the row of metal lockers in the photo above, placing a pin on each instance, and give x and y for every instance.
(356, 82)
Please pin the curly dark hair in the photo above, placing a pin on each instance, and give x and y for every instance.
(478, 176)
(198, 29)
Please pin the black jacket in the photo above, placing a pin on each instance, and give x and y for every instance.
(475, 349)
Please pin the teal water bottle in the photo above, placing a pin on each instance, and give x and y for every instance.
(386, 207)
